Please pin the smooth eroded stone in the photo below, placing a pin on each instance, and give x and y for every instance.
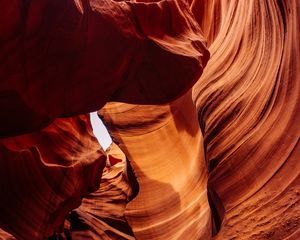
(165, 148)
(248, 105)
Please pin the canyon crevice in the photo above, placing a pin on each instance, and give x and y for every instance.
(200, 97)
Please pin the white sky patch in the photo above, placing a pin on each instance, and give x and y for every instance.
(100, 131)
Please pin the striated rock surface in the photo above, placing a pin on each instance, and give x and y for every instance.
(215, 156)
(248, 104)
(64, 58)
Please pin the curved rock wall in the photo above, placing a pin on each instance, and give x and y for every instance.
(248, 104)
(220, 160)
(165, 148)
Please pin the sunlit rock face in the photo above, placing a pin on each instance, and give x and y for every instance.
(172, 200)
(194, 157)
(248, 105)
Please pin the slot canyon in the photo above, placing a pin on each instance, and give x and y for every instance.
(201, 99)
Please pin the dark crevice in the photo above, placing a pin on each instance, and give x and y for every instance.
(132, 180)
(217, 209)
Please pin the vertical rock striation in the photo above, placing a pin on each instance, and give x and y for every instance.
(214, 156)
(248, 104)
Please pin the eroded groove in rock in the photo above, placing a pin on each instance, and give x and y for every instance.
(164, 147)
(209, 15)
(44, 175)
(248, 104)
(66, 57)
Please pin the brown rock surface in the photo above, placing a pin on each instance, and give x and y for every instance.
(101, 214)
(231, 141)
(61, 58)
(165, 148)
(44, 175)
(248, 104)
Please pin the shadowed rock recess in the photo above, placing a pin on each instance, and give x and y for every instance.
(200, 97)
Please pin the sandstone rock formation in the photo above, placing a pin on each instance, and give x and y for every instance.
(172, 199)
(63, 57)
(44, 175)
(101, 214)
(248, 104)
(215, 156)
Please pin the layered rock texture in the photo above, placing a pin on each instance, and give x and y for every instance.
(201, 98)
(248, 105)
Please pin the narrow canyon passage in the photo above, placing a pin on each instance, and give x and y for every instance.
(201, 102)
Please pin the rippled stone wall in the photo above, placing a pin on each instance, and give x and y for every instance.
(200, 97)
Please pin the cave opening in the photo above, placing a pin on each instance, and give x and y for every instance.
(100, 131)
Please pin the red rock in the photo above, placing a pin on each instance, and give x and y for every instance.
(165, 148)
(63, 58)
(227, 149)
(45, 175)
(248, 104)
